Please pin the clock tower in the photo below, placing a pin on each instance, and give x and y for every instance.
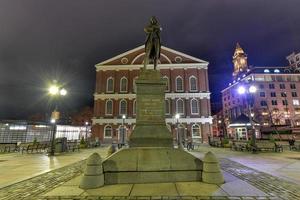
(239, 60)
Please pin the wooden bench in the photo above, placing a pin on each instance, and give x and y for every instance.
(280, 145)
(216, 142)
(72, 146)
(296, 146)
(264, 146)
(8, 147)
(239, 145)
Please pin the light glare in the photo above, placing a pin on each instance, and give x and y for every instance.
(241, 90)
(53, 90)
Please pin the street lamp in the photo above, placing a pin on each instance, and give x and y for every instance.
(177, 116)
(55, 91)
(248, 90)
(123, 131)
(86, 130)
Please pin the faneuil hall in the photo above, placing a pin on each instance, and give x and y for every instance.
(187, 94)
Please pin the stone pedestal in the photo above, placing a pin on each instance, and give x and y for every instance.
(151, 157)
(93, 175)
(151, 165)
(150, 130)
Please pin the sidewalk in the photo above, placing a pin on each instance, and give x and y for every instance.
(16, 167)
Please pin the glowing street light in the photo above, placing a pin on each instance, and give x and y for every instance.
(241, 90)
(54, 90)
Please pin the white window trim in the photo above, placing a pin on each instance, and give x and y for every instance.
(191, 84)
(120, 107)
(113, 84)
(112, 108)
(121, 84)
(176, 84)
(200, 135)
(191, 106)
(168, 83)
(105, 129)
(177, 106)
(169, 107)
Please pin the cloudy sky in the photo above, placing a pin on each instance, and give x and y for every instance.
(42, 40)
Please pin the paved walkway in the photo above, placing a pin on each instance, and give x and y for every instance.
(16, 167)
(241, 182)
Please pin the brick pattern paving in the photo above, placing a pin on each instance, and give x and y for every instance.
(157, 198)
(267, 183)
(33, 188)
(30, 188)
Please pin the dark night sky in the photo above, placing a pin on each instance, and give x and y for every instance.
(42, 40)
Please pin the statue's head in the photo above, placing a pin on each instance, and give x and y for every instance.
(153, 20)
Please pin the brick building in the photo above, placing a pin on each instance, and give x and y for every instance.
(187, 93)
(276, 103)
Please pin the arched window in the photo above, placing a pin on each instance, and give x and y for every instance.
(193, 83)
(108, 131)
(109, 107)
(179, 106)
(134, 85)
(167, 106)
(194, 106)
(134, 107)
(123, 107)
(179, 84)
(123, 84)
(110, 85)
(167, 83)
(196, 132)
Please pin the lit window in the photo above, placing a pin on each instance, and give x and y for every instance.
(179, 84)
(296, 102)
(123, 107)
(196, 133)
(107, 131)
(180, 106)
(276, 71)
(109, 107)
(123, 84)
(266, 71)
(110, 85)
(193, 83)
(194, 106)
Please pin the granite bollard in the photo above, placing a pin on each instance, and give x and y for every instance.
(211, 169)
(93, 175)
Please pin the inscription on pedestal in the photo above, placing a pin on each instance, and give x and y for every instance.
(151, 107)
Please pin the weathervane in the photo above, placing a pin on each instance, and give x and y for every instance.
(152, 44)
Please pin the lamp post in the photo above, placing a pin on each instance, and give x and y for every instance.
(123, 131)
(249, 91)
(86, 130)
(177, 116)
(55, 91)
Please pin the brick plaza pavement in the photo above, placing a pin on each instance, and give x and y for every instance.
(36, 187)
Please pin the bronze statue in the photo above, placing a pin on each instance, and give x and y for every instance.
(152, 44)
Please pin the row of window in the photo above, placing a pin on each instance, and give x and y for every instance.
(278, 78)
(180, 108)
(281, 86)
(179, 84)
(284, 102)
(273, 94)
(196, 131)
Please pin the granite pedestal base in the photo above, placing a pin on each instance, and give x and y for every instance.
(151, 165)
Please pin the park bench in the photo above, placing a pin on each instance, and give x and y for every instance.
(280, 145)
(8, 147)
(264, 146)
(296, 145)
(239, 145)
(72, 146)
(216, 142)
